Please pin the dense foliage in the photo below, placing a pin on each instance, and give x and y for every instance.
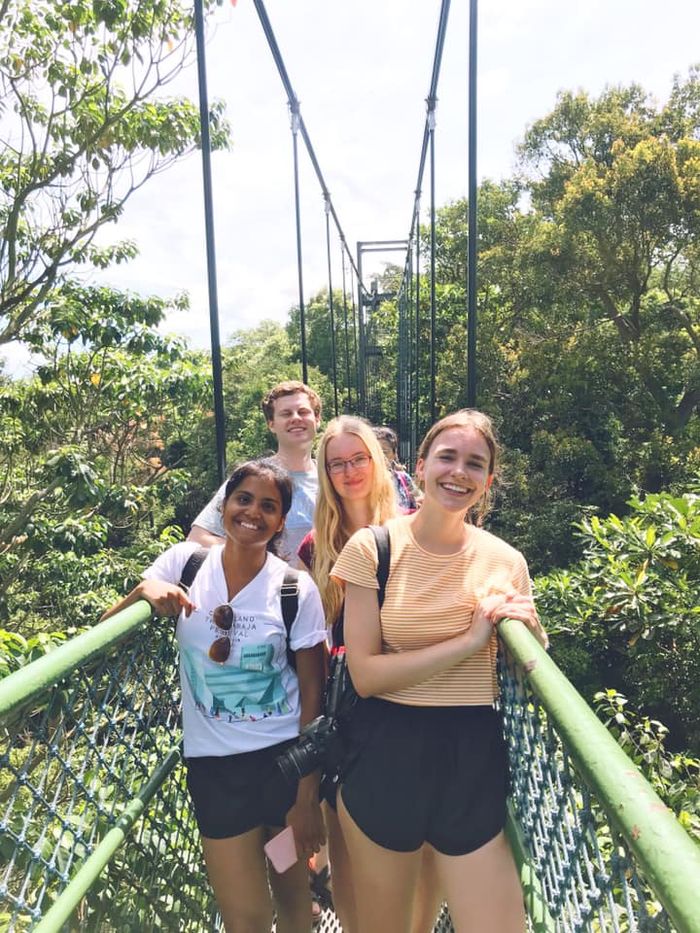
(589, 313)
(83, 124)
(95, 445)
(627, 615)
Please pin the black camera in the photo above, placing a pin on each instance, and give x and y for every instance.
(320, 743)
(315, 748)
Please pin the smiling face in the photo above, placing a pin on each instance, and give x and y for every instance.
(354, 480)
(293, 421)
(455, 472)
(252, 512)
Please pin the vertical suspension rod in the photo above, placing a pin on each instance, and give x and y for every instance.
(472, 216)
(330, 306)
(347, 338)
(431, 126)
(217, 374)
(354, 339)
(417, 398)
(361, 347)
(300, 274)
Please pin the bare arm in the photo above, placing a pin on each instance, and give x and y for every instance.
(375, 673)
(167, 599)
(305, 815)
(206, 538)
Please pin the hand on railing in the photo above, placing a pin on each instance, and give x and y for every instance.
(167, 599)
(513, 605)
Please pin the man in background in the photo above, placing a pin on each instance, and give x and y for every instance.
(293, 414)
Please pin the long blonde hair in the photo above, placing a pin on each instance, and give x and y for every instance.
(330, 532)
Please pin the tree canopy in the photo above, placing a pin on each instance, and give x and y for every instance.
(83, 125)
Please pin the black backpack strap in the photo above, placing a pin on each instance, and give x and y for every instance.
(289, 597)
(192, 567)
(381, 539)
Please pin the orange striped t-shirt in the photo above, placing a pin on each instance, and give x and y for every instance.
(431, 597)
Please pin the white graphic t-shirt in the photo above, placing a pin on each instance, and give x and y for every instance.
(297, 523)
(251, 700)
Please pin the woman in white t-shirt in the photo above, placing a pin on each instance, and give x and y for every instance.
(243, 703)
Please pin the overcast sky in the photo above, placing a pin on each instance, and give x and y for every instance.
(361, 69)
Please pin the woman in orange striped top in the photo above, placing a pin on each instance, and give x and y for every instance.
(428, 762)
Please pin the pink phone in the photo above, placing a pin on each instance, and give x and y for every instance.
(282, 850)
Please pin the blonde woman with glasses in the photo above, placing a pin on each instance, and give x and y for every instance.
(355, 490)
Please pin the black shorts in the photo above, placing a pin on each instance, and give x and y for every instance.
(426, 774)
(233, 794)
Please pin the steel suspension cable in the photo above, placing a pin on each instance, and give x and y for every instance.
(414, 234)
(294, 106)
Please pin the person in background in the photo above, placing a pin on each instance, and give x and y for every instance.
(243, 702)
(293, 414)
(428, 763)
(408, 495)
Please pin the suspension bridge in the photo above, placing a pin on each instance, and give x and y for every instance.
(96, 832)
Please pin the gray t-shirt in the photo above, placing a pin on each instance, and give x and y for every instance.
(299, 518)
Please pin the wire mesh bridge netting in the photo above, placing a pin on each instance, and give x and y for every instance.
(73, 761)
(96, 832)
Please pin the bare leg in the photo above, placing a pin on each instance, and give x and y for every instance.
(291, 895)
(237, 872)
(483, 890)
(429, 896)
(341, 872)
(384, 881)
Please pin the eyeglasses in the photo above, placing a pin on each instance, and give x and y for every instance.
(359, 462)
(223, 618)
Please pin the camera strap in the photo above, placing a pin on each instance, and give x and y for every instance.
(289, 592)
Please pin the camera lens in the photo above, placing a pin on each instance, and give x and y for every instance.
(299, 760)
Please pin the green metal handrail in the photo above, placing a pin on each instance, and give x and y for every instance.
(667, 855)
(31, 682)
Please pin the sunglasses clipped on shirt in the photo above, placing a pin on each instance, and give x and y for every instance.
(358, 462)
(223, 618)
